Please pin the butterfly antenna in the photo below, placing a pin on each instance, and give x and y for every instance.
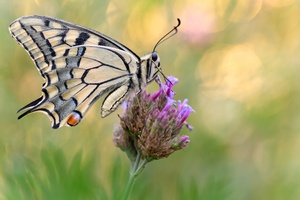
(168, 35)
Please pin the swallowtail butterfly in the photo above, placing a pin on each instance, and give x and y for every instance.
(79, 65)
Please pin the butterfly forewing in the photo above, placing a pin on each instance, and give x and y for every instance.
(79, 65)
(45, 37)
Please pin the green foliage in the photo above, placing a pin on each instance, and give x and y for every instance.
(52, 178)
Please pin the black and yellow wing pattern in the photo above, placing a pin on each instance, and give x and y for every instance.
(78, 65)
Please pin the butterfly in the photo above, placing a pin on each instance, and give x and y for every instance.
(79, 65)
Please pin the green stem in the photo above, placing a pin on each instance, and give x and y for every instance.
(128, 187)
(135, 169)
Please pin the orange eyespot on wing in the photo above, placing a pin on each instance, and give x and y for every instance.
(74, 118)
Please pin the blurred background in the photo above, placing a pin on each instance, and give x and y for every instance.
(238, 64)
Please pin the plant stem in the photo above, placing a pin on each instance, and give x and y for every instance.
(135, 169)
(128, 187)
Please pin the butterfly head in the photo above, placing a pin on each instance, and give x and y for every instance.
(154, 66)
(155, 60)
(152, 63)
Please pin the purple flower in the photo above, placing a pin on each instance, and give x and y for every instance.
(152, 122)
(184, 140)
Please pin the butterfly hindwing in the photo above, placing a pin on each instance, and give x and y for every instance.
(79, 65)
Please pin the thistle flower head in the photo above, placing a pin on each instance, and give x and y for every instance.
(152, 122)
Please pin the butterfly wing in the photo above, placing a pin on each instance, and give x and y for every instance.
(45, 37)
(78, 64)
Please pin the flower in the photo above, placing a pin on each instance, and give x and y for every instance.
(151, 124)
